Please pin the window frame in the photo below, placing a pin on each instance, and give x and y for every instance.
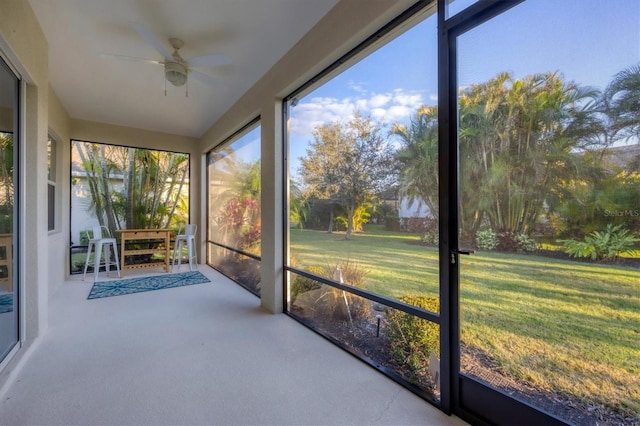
(74, 246)
(53, 202)
(235, 136)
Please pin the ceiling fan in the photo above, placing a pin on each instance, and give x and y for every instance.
(176, 68)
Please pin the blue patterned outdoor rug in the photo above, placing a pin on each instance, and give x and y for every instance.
(137, 285)
(6, 303)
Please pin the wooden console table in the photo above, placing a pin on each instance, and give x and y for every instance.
(145, 235)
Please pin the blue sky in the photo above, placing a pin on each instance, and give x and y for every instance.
(588, 41)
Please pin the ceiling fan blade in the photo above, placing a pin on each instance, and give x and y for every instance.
(209, 61)
(151, 39)
(203, 78)
(132, 58)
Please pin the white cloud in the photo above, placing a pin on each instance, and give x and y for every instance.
(380, 100)
(310, 114)
(407, 99)
(357, 86)
(400, 112)
(362, 104)
(379, 114)
(388, 108)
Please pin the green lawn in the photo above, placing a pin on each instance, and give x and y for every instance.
(396, 262)
(569, 326)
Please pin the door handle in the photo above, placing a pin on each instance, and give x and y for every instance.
(454, 252)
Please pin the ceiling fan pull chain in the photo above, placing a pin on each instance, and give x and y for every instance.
(165, 87)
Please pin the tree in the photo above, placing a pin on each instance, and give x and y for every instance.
(517, 141)
(241, 210)
(622, 102)
(98, 169)
(136, 188)
(585, 202)
(7, 188)
(298, 205)
(418, 159)
(347, 163)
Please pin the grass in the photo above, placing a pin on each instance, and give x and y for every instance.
(396, 262)
(560, 325)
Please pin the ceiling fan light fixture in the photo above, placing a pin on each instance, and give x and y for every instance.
(175, 73)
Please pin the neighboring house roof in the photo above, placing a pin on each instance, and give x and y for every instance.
(625, 157)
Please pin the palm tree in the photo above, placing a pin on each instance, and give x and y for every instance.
(622, 100)
(151, 190)
(6, 183)
(516, 141)
(298, 205)
(418, 159)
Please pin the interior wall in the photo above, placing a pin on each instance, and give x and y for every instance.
(60, 129)
(23, 44)
(343, 28)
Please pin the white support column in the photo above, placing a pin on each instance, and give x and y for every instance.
(272, 208)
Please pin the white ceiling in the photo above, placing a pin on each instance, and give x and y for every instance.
(254, 34)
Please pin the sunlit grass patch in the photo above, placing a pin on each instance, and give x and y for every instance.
(561, 325)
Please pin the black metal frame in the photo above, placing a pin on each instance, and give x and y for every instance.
(459, 394)
(230, 139)
(413, 310)
(17, 202)
(80, 246)
(469, 398)
(252, 256)
(383, 300)
(372, 363)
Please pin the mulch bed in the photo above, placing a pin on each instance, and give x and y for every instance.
(363, 339)
(476, 364)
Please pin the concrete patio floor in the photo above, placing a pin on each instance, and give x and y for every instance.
(202, 354)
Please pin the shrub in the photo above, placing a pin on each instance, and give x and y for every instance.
(430, 233)
(301, 284)
(524, 243)
(415, 225)
(511, 242)
(339, 305)
(361, 216)
(391, 219)
(392, 223)
(602, 245)
(487, 239)
(326, 302)
(85, 236)
(353, 274)
(430, 238)
(412, 339)
(250, 239)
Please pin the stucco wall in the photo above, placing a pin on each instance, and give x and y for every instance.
(24, 46)
(342, 29)
(59, 128)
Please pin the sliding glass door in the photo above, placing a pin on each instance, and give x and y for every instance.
(549, 198)
(8, 205)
